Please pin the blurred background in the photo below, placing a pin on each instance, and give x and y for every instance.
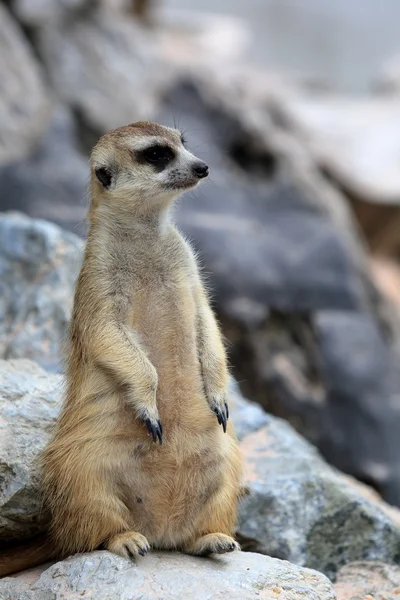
(295, 105)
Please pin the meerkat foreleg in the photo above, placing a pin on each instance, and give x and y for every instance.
(212, 358)
(131, 369)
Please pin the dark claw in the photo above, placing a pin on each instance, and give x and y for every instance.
(159, 432)
(142, 552)
(155, 429)
(221, 416)
(227, 410)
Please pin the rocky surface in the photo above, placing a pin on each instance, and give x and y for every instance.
(171, 576)
(53, 180)
(30, 400)
(302, 510)
(368, 581)
(299, 508)
(246, 416)
(23, 99)
(39, 263)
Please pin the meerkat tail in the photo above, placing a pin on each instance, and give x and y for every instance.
(26, 556)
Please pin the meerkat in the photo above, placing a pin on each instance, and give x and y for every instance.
(144, 455)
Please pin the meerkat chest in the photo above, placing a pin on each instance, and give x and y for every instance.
(163, 309)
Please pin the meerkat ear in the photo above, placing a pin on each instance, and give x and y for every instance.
(104, 175)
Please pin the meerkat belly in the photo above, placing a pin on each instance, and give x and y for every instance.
(168, 486)
(164, 319)
(167, 492)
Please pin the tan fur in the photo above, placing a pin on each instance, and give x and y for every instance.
(144, 344)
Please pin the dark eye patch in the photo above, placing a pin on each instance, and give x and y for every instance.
(157, 155)
(104, 176)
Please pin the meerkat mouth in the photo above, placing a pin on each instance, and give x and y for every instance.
(181, 184)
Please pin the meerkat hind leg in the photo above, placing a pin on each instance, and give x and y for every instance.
(128, 544)
(213, 543)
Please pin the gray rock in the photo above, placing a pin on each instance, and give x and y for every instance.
(104, 67)
(23, 100)
(368, 581)
(265, 239)
(51, 183)
(29, 404)
(41, 13)
(271, 231)
(388, 80)
(39, 263)
(359, 369)
(169, 576)
(246, 416)
(302, 510)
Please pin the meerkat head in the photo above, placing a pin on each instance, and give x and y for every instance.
(143, 166)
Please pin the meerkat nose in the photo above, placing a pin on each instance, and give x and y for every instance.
(200, 169)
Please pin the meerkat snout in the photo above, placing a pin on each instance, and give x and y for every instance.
(145, 166)
(200, 169)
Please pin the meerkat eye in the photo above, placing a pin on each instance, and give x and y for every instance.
(158, 155)
(104, 176)
(183, 140)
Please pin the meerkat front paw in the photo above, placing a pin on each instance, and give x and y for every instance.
(218, 402)
(129, 544)
(213, 543)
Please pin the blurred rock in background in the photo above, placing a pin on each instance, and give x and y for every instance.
(23, 100)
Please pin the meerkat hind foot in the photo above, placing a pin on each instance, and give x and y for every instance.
(213, 543)
(128, 544)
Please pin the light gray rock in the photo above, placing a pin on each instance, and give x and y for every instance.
(171, 576)
(356, 140)
(246, 416)
(23, 99)
(29, 404)
(388, 80)
(302, 510)
(41, 13)
(366, 580)
(39, 263)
